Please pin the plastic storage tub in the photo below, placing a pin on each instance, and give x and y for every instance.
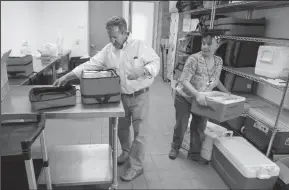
(212, 131)
(242, 166)
(272, 62)
(99, 87)
(221, 106)
(20, 65)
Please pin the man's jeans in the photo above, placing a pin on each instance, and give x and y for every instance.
(197, 126)
(136, 112)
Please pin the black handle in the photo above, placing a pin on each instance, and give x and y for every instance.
(26, 144)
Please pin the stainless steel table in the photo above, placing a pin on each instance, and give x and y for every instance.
(38, 68)
(76, 164)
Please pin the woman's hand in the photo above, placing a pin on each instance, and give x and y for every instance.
(201, 99)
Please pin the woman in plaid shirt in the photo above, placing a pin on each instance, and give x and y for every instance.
(201, 74)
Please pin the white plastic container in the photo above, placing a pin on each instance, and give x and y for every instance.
(272, 61)
(212, 132)
(242, 166)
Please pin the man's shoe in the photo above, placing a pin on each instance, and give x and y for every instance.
(173, 154)
(131, 174)
(122, 158)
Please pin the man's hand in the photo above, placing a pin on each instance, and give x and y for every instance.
(137, 72)
(60, 82)
(201, 99)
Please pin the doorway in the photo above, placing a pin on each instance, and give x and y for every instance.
(98, 14)
(143, 21)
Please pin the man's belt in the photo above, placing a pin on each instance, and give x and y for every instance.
(136, 93)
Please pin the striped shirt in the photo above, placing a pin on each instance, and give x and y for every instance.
(196, 72)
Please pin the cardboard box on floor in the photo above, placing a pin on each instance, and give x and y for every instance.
(220, 106)
(4, 76)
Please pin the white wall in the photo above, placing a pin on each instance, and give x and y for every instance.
(70, 19)
(40, 21)
(20, 21)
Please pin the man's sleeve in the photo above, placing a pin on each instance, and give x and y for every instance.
(150, 58)
(97, 62)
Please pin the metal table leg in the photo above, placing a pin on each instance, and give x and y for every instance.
(30, 174)
(113, 135)
(45, 161)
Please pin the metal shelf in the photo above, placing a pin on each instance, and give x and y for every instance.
(248, 72)
(279, 41)
(265, 112)
(191, 33)
(80, 165)
(246, 5)
(239, 6)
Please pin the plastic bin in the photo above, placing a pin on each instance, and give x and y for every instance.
(242, 166)
(272, 62)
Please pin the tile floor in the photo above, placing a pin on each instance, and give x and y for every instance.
(159, 171)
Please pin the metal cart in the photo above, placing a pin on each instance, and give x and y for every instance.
(73, 165)
(17, 137)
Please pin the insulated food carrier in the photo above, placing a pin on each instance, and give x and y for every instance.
(20, 65)
(100, 87)
(52, 97)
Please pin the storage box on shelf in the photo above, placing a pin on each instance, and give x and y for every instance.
(272, 61)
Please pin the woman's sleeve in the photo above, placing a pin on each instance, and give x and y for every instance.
(189, 69)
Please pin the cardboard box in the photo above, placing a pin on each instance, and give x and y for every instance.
(220, 106)
(4, 76)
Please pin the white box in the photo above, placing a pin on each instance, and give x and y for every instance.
(272, 61)
(4, 76)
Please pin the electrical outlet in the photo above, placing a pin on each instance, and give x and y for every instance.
(77, 42)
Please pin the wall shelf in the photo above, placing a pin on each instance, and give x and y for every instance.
(265, 112)
(248, 72)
